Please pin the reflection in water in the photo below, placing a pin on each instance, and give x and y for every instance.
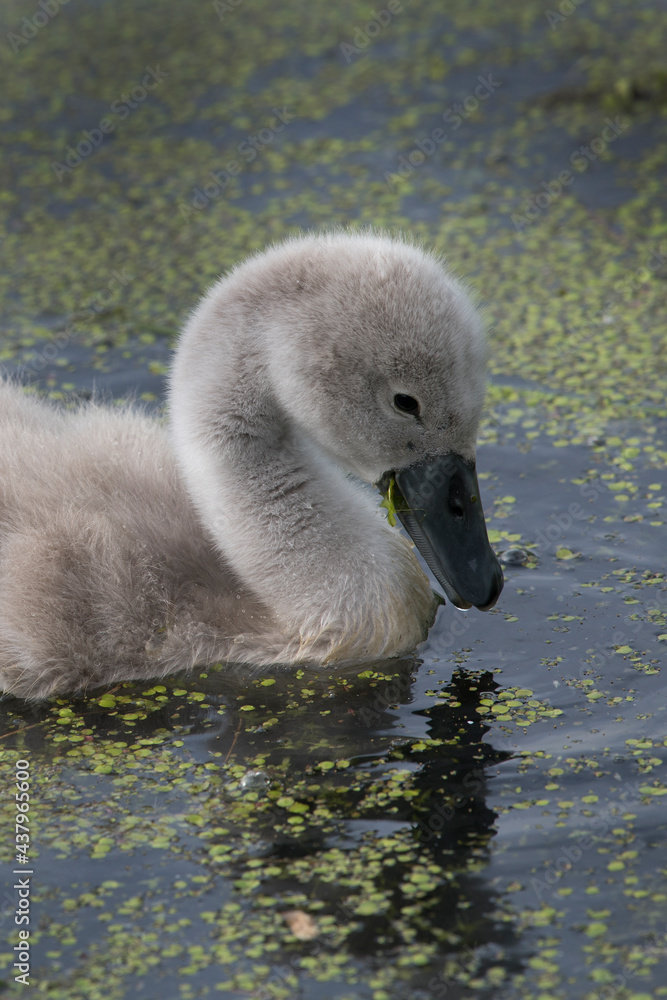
(317, 801)
(442, 810)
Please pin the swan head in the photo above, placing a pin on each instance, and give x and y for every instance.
(348, 350)
(380, 361)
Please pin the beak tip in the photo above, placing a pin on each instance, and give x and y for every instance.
(485, 601)
(441, 511)
(496, 590)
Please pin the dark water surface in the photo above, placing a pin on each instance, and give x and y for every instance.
(490, 813)
(486, 818)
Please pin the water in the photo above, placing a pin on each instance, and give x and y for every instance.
(498, 799)
(485, 818)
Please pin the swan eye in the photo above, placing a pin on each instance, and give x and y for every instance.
(406, 404)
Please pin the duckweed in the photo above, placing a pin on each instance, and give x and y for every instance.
(475, 825)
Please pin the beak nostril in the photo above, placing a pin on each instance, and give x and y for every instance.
(457, 494)
(456, 507)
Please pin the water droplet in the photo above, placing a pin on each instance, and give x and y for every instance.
(514, 557)
(254, 781)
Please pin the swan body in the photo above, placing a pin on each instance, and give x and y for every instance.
(241, 532)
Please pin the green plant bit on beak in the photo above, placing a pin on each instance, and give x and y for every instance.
(390, 499)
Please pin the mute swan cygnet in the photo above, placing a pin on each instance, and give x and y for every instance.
(128, 551)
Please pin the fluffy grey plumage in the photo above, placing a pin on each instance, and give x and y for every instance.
(127, 551)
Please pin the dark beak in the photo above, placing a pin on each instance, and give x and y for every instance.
(439, 505)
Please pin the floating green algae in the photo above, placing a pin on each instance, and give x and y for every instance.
(117, 781)
(177, 822)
